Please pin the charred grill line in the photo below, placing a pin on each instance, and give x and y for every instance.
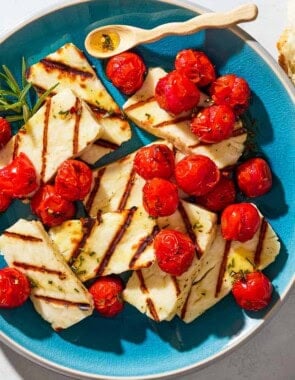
(63, 302)
(15, 145)
(173, 121)
(149, 302)
(50, 65)
(113, 244)
(41, 269)
(87, 226)
(176, 284)
(152, 309)
(94, 190)
(222, 268)
(143, 245)
(16, 235)
(45, 138)
(189, 229)
(262, 232)
(139, 104)
(106, 144)
(127, 190)
(78, 113)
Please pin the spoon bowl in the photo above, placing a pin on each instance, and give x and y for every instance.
(110, 40)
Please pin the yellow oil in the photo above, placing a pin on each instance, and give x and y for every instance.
(105, 41)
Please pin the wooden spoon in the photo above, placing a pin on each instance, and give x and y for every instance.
(106, 41)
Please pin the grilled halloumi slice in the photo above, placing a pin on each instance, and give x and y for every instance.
(143, 109)
(57, 294)
(158, 294)
(215, 278)
(62, 128)
(114, 243)
(116, 186)
(69, 67)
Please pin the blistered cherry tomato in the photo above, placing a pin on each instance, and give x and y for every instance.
(240, 222)
(175, 93)
(5, 132)
(51, 207)
(14, 288)
(5, 202)
(18, 179)
(156, 160)
(213, 124)
(160, 197)
(231, 90)
(254, 177)
(174, 251)
(196, 174)
(252, 291)
(73, 180)
(196, 66)
(222, 195)
(126, 71)
(107, 295)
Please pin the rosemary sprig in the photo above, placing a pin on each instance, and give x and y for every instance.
(15, 104)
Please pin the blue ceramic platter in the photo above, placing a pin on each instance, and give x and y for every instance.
(132, 346)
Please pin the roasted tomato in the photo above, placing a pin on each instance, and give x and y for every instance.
(196, 66)
(222, 195)
(252, 291)
(232, 91)
(51, 207)
(239, 222)
(254, 177)
(174, 251)
(196, 174)
(126, 71)
(160, 197)
(5, 132)
(14, 288)
(214, 124)
(156, 160)
(5, 202)
(73, 180)
(107, 295)
(18, 179)
(175, 93)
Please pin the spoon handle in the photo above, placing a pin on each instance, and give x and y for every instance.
(243, 13)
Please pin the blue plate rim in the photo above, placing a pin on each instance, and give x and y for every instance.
(290, 88)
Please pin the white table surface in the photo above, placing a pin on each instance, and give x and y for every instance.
(270, 354)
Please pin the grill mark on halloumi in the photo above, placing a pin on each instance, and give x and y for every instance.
(176, 284)
(149, 303)
(64, 302)
(94, 190)
(143, 245)
(112, 246)
(127, 190)
(222, 267)
(41, 269)
(78, 112)
(173, 121)
(15, 235)
(87, 226)
(106, 144)
(189, 229)
(50, 65)
(139, 104)
(45, 138)
(15, 145)
(262, 233)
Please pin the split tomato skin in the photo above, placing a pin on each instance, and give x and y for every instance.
(126, 71)
(196, 66)
(213, 124)
(240, 222)
(19, 178)
(252, 291)
(152, 161)
(196, 174)
(231, 90)
(221, 196)
(73, 180)
(107, 295)
(175, 93)
(160, 197)
(5, 132)
(254, 177)
(15, 288)
(174, 251)
(51, 207)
